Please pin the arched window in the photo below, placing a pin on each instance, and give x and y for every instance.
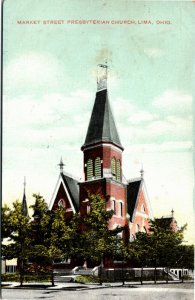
(118, 170)
(113, 167)
(120, 211)
(97, 167)
(61, 203)
(143, 208)
(89, 169)
(88, 209)
(113, 203)
(132, 237)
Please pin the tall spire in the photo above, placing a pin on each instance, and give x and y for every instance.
(24, 202)
(102, 126)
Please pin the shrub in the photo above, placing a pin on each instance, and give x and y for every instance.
(86, 279)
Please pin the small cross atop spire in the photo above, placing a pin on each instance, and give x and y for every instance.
(102, 76)
(142, 172)
(172, 212)
(61, 165)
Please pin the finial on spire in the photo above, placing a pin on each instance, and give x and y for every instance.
(172, 212)
(142, 172)
(24, 184)
(102, 76)
(61, 165)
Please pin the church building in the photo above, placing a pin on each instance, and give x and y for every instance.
(103, 172)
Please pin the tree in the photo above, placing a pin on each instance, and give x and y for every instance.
(16, 228)
(164, 243)
(185, 257)
(51, 236)
(96, 240)
(158, 248)
(5, 229)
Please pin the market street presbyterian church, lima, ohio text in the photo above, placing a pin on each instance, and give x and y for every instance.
(103, 173)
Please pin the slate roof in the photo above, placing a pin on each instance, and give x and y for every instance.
(73, 189)
(24, 206)
(164, 222)
(133, 189)
(102, 127)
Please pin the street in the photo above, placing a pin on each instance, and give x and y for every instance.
(162, 291)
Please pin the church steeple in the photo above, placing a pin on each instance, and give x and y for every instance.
(102, 127)
(24, 202)
(102, 147)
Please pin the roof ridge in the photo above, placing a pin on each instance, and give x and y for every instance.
(70, 176)
(134, 179)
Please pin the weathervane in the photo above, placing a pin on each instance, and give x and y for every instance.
(61, 165)
(102, 77)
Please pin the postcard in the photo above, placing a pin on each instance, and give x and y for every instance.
(59, 57)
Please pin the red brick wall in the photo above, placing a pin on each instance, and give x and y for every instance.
(139, 219)
(107, 188)
(62, 195)
(93, 187)
(105, 152)
(118, 192)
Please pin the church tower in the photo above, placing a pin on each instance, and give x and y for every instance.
(102, 152)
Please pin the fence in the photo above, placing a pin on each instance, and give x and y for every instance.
(136, 274)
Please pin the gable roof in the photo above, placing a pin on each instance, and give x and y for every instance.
(133, 188)
(102, 127)
(71, 189)
(165, 222)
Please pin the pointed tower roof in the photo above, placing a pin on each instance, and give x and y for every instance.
(102, 127)
(24, 202)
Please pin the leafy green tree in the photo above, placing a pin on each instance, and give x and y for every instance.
(164, 243)
(5, 230)
(157, 248)
(96, 240)
(16, 228)
(185, 257)
(51, 236)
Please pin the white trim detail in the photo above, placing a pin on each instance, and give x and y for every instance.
(108, 145)
(138, 213)
(143, 188)
(60, 180)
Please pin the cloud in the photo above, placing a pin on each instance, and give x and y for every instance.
(172, 101)
(46, 121)
(32, 71)
(141, 117)
(170, 121)
(176, 146)
(153, 52)
(157, 131)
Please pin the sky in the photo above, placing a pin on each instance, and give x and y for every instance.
(49, 86)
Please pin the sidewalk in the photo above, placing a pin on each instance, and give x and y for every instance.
(79, 286)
